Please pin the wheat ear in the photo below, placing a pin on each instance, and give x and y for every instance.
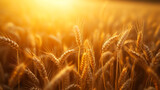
(91, 56)
(16, 75)
(147, 53)
(123, 77)
(126, 85)
(122, 39)
(32, 76)
(107, 43)
(58, 77)
(10, 42)
(73, 86)
(41, 69)
(77, 35)
(65, 55)
(84, 57)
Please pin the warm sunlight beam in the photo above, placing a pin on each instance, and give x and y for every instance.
(55, 3)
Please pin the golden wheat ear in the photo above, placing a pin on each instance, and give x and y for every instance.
(77, 35)
(64, 56)
(78, 41)
(9, 42)
(58, 77)
(107, 43)
(122, 39)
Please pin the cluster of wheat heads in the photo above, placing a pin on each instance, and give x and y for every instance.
(122, 63)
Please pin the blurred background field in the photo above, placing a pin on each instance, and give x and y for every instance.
(61, 15)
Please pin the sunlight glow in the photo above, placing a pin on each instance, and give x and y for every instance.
(55, 3)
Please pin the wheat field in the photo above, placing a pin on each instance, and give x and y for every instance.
(82, 46)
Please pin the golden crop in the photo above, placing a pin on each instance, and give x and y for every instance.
(79, 46)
